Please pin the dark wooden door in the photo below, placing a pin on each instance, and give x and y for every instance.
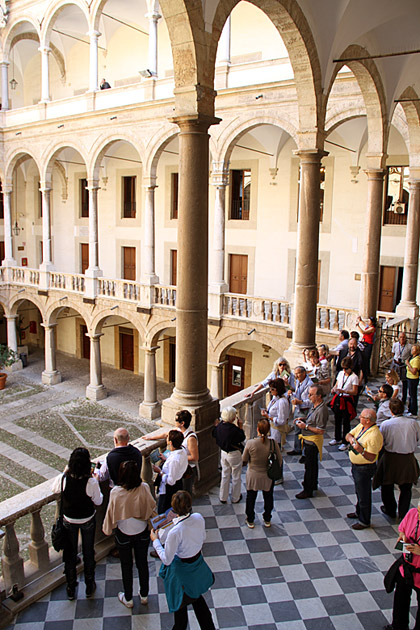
(174, 262)
(387, 288)
(126, 351)
(84, 256)
(1, 251)
(85, 342)
(172, 360)
(238, 279)
(235, 375)
(129, 263)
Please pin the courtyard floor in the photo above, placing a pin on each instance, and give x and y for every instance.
(309, 571)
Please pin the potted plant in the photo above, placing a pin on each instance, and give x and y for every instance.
(7, 358)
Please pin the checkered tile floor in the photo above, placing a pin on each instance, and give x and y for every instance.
(309, 571)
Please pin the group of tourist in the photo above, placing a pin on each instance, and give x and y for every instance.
(381, 451)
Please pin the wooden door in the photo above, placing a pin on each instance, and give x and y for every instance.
(129, 263)
(235, 375)
(387, 286)
(172, 358)
(174, 262)
(84, 256)
(85, 342)
(238, 278)
(1, 251)
(126, 351)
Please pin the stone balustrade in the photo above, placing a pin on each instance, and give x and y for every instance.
(256, 309)
(44, 570)
(68, 281)
(248, 407)
(165, 296)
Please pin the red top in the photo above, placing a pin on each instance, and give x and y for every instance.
(410, 527)
(368, 337)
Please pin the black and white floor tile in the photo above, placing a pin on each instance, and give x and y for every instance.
(309, 571)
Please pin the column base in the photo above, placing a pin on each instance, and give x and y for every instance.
(15, 367)
(151, 411)
(203, 417)
(407, 309)
(51, 378)
(96, 392)
(294, 353)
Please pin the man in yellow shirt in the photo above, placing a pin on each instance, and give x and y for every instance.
(365, 442)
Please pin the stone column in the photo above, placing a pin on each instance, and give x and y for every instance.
(370, 270)
(216, 387)
(191, 390)
(8, 261)
(150, 407)
(152, 59)
(408, 306)
(50, 376)
(46, 229)
(11, 332)
(304, 312)
(95, 390)
(5, 84)
(93, 271)
(93, 60)
(223, 60)
(224, 42)
(149, 276)
(45, 74)
(218, 286)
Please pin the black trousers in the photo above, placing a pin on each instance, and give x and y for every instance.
(138, 543)
(164, 501)
(310, 479)
(202, 612)
(251, 497)
(404, 500)
(401, 610)
(342, 425)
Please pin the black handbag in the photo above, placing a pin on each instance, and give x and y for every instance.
(390, 578)
(58, 531)
(274, 471)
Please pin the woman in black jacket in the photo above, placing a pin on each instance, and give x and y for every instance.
(81, 493)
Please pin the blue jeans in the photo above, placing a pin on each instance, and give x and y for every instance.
(362, 475)
(412, 384)
(138, 543)
(87, 531)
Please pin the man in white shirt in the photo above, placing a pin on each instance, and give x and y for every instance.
(398, 464)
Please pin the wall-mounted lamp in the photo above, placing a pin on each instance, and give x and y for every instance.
(113, 307)
(173, 319)
(16, 229)
(259, 96)
(146, 74)
(251, 331)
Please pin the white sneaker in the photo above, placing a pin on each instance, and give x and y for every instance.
(250, 525)
(143, 600)
(129, 603)
(343, 447)
(267, 523)
(332, 442)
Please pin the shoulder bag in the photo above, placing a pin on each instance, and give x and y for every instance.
(58, 531)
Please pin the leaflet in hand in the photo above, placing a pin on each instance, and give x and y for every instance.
(161, 521)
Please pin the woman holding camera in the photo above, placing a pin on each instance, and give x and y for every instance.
(408, 575)
(80, 494)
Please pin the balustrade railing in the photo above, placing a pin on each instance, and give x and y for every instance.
(68, 281)
(23, 275)
(256, 309)
(248, 406)
(43, 571)
(165, 296)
